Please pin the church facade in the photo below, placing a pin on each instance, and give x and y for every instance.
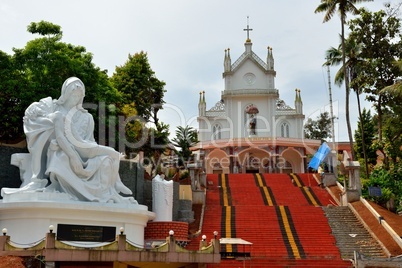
(251, 129)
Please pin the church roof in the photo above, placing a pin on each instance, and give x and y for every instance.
(217, 110)
(249, 55)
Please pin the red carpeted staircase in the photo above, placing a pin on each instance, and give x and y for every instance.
(280, 214)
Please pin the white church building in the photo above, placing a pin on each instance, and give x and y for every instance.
(250, 129)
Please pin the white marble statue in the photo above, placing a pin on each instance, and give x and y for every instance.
(63, 155)
(162, 198)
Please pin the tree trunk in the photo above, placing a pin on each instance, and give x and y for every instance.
(346, 74)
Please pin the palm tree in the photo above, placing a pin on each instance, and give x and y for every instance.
(330, 7)
(353, 60)
(186, 137)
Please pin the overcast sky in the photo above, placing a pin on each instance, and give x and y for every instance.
(185, 41)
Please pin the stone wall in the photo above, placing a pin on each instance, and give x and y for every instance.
(9, 174)
(132, 175)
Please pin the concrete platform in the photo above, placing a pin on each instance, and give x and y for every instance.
(27, 217)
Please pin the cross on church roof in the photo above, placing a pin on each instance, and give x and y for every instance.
(248, 31)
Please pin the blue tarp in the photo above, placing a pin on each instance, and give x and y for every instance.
(319, 156)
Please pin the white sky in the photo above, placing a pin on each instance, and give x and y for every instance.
(185, 41)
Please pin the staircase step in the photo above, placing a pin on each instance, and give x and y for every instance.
(350, 233)
(280, 214)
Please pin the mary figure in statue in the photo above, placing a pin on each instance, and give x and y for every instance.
(64, 156)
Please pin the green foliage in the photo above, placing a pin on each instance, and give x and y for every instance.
(392, 122)
(139, 85)
(171, 172)
(342, 7)
(184, 175)
(47, 62)
(143, 92)
(152, 141)
(44, 28)
(40, 68)
(319, 129)
(11, 106)
(390, 181)
(368, 55)
(378, 33)
(392, 134)
(186, 137)
(369, 136)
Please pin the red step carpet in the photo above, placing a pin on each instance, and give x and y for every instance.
(280, 214)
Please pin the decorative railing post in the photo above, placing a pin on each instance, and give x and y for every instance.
(50, 238)
(172, 242)
(3, 241)
(121, 240)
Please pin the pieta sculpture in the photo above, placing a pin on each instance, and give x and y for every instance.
(63, 155)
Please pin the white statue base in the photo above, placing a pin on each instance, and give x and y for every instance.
(28, 215)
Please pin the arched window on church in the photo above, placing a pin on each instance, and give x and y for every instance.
(216, 132)
(285, 130)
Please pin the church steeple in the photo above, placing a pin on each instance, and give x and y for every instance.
(227, 63)
(298, 102)
(270, 59)
(202, 106)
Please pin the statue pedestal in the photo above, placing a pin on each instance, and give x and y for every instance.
(29, 218)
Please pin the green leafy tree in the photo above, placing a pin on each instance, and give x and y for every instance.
(139, 85)
(392, 130)
(155, 145)
(392, 118)
(388, 176)
(380, 38)
(143, 92)
(390, 181)
(139, 136)
(11, 110)
(45, 28)
(186, 137)
(46, 62)
(330, 7)
(319, 129)
(40, 68)
(368, 127)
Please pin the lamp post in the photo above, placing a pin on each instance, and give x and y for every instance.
(215, 234)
